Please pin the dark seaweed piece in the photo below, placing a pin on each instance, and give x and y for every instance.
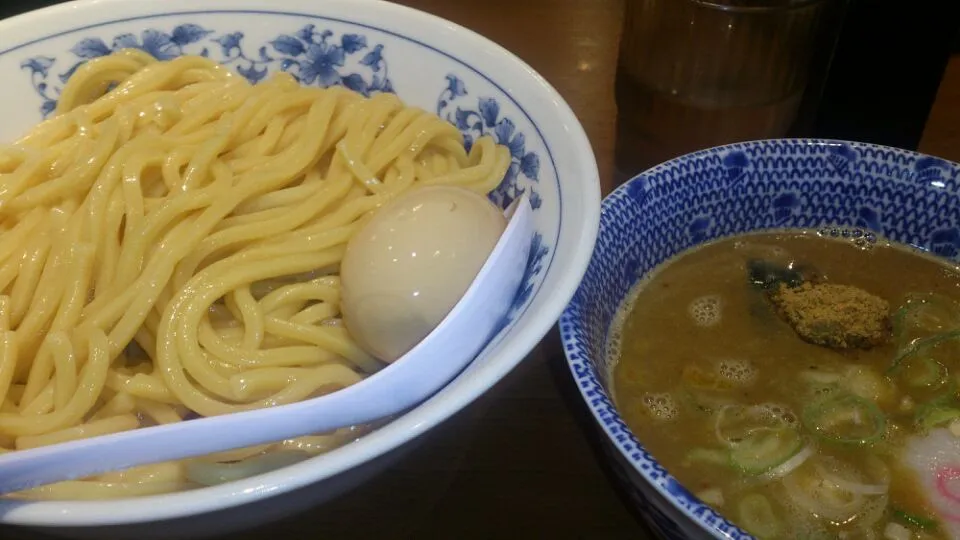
(768, 275)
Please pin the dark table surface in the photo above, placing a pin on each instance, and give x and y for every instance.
(518, 462)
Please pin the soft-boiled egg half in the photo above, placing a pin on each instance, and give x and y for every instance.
(409, 265)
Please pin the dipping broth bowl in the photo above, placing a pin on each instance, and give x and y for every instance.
(368, 46)
(903, 196)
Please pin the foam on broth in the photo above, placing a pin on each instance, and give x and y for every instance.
(785, 437)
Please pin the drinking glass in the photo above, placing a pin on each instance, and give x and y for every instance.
(699, 73)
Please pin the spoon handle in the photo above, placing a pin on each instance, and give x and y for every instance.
(78, 459)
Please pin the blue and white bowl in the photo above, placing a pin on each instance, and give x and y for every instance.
(368, 46)
(903, 196)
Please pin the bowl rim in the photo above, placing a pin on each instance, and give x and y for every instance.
(571, 328)
(585, 210)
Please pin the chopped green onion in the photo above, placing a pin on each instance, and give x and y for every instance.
(919, 522)
(806, 488)
(932, 415)
(796, 461)
(764, 450)
(921, 345)
(931, 313)
(922, 322)
(846, 419)
(923, 372)
(734, 423)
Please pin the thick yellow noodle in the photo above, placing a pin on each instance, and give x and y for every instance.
(171, 247)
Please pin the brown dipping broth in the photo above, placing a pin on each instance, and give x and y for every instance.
(671, 370)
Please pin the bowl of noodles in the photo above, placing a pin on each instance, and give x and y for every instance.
(155, 152)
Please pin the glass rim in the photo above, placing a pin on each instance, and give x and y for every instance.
(790, 6)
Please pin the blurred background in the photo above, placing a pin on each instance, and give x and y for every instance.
(886, 72)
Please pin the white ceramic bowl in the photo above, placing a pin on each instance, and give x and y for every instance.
(368, 46)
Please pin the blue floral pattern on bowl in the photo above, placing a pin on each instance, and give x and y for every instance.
(312, 56)
(324, 58)
(521, 177)
(725, 191)
(479, 117)
(482, 117)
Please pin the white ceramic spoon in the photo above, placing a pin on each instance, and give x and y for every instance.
(427, 368)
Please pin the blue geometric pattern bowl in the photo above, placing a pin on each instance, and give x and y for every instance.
(900, 195)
